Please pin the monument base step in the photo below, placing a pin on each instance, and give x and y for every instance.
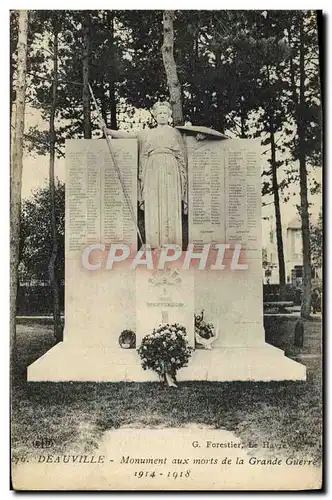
(67, 361)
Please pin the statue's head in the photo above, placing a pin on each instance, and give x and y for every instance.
(162, 112)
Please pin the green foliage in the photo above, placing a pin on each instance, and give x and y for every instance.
(37, 141)
(36, 236)
(205, 330)
(316, 242)
(234, 68)
(307, 113)
(165, 350)
(13, 48)
(202, 328)
(127, 339)
(144, 76)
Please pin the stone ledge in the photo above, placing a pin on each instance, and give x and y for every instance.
(68, 362)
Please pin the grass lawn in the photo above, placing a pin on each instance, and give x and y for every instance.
(76, 414)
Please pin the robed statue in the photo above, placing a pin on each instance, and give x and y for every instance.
(162, 174)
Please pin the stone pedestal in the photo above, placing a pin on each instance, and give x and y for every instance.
(224, 207)
(164, 296)
(98, 304)
(71, 361)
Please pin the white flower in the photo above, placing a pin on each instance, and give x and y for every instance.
(172, 360)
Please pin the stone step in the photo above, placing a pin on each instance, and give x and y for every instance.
(68, 362)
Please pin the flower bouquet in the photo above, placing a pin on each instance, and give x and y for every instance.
(165, 351)
(127, 339)
(205, 333)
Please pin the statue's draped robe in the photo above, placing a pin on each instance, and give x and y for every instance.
(163, 184)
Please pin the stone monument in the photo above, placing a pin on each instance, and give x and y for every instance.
(224, 198)
(225, 206)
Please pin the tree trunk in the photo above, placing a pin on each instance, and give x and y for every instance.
(86, 61)
(275, 189)
(16, 171)
(300, 105)
(54, 253)
(103, 105)
(173, 83)
(306, 298)
(111, 79)
(220, 116)
(243, 123)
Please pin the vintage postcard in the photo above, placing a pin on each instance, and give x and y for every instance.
(166, 250)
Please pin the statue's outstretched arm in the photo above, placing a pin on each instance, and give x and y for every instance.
(121, 134)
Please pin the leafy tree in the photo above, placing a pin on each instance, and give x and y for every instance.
(47, 99)
(316, 242)
(249, 71)
(14, 14)
(56, 22)
(86, 74)
(36, 234)
(174, 86)
(143, 37)
(304, 108)
(272, 114)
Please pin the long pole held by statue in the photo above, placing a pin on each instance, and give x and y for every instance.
(116, 166)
